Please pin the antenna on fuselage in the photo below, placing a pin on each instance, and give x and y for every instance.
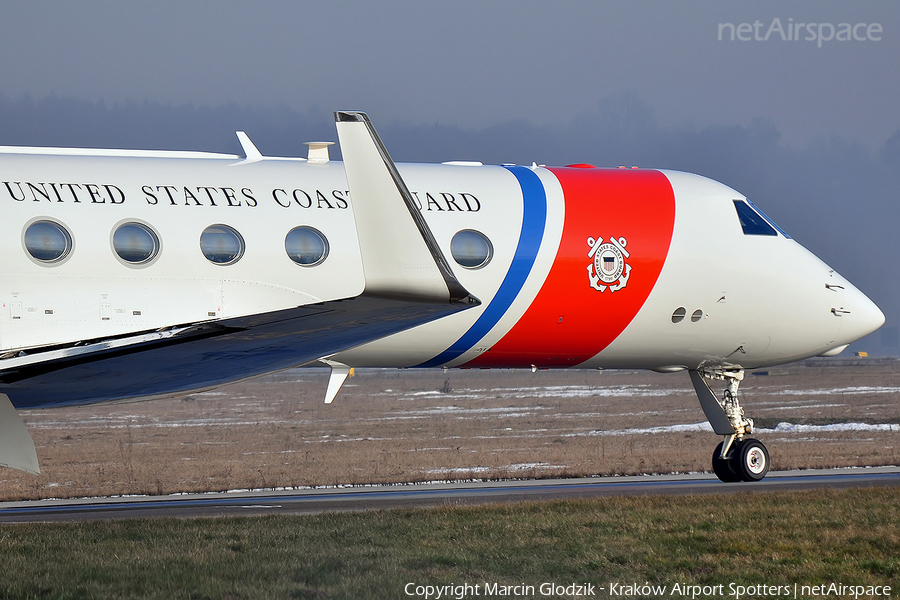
(318, 152)
(251, 153)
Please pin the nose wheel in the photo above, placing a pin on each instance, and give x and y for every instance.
(738, 457)
(744, 460)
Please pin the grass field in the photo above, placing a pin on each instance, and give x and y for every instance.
(426, 425)
(846, 537)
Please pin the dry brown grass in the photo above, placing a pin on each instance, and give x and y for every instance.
(401, 426)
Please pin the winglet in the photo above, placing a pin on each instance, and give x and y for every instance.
(400, 255)
(16, 446)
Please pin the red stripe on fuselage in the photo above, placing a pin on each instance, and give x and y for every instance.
(570, 321)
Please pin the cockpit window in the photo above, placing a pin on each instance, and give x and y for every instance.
(752, 222)
(768, 220)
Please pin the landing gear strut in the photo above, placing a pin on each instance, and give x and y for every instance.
(738, 457)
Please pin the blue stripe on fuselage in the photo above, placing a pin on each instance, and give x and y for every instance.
(534, 219)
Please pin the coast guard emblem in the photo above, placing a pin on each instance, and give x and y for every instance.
(608, 266)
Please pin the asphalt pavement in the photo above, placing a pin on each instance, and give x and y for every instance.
(381, 497)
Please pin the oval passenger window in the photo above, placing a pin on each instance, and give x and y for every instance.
(135, 243)
(47, 241)
(221, 244)
(306, 246)
(471, 249)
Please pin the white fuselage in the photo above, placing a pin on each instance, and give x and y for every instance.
(745, 300)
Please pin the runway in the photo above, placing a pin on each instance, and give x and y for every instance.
(365, 498)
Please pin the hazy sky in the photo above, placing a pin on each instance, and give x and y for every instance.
(470, 63)
(800, 125)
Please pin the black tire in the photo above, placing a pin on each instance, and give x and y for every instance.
(724, 468)
(751, 460)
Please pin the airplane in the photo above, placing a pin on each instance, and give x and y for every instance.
(133, 274)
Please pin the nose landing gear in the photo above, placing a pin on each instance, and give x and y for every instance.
(737, 458)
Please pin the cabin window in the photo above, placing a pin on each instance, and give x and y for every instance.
(306, 246)
(221, 245)
(48, 241)
(136, 243)
(471, 249)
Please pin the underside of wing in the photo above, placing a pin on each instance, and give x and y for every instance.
(203, 356)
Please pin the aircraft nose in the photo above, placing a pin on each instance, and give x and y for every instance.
(862, 317)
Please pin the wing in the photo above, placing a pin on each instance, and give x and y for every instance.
(408, 282)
